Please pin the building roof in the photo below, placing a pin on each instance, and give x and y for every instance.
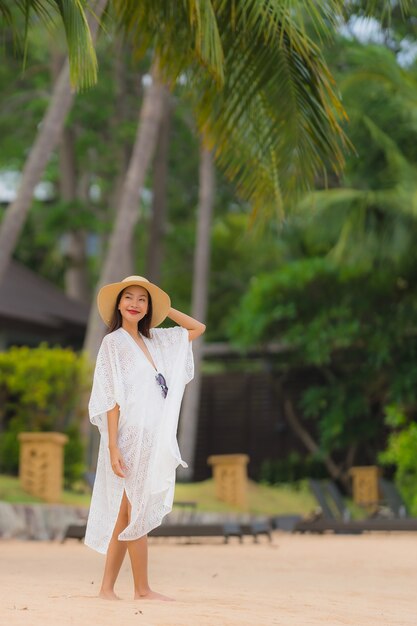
(28, 297)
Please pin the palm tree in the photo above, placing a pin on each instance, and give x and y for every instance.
(127, 215)
(46, 140)
(259, 85)
(73, 187)
(260, 91)
(189, 410)
(369, 217)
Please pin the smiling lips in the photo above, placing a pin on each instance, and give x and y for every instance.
(132, 312)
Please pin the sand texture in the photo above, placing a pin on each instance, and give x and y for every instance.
(367, 580)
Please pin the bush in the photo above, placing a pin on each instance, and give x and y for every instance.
(41, 390)
(401, 452)
(291, 469)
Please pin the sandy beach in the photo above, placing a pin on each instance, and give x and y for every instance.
(297, 580)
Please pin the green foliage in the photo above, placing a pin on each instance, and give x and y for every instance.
(369, 215)
(339, 409)
(354, 328)
(74, 466)
(9, 446)
(401, 453)
(40, 390)
(345, 301)
(291, 469)
(289, 303)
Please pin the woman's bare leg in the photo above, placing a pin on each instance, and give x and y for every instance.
(138, 554)
(115, 553)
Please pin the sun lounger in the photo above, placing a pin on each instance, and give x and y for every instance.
(356, 526)
(330, 500)
(334, 493)
(392, 498)
(285, 522)
(328, 509)
(226, 530)
(74, 531)
(341, 523)
(256, 528)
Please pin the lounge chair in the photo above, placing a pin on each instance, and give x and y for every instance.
(330, 500)
(285, 522)
(258, 527)
(339, 524)
(327, 507)
(333, 512)
(226, 530)
(393, 499)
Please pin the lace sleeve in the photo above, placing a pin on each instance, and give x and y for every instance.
(104, 391)
(176, 339)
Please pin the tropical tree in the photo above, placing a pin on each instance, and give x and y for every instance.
(345, 303)
(238, 62)
(351, 350)
(46, 140)
(260, 91)
(242, 42)
(245, 118)
(260, 136)
(367, 215)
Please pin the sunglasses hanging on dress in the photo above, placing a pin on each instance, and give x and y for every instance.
(162, 383)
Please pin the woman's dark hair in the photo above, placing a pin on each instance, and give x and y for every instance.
(143, 325)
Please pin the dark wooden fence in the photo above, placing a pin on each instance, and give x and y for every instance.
(241, 413)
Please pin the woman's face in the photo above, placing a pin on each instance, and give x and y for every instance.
(133, 304)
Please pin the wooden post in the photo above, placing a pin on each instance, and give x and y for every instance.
(365, 485)
(230, 477)
(41, 464)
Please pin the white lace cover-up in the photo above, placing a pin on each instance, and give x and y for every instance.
(147, 431)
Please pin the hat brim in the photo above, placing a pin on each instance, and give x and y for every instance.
(107, 297)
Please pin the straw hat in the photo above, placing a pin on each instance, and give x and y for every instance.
(107, 296)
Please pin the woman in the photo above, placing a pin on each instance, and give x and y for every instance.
(139, 380)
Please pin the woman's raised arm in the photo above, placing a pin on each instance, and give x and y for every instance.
(194, 327)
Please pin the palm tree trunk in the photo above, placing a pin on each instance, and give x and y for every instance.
(124, 149)
(128, 210)
(124, 228)
(76, 279)
(159, 201)
(189, 413)
(49, 133)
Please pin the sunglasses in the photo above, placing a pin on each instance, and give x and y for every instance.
(162, 383)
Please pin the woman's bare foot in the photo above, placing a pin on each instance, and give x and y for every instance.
(108, 595)
(152, 595)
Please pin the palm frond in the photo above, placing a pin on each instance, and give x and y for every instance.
(82, 56)
(381, 10)
(376, 65)
(260, 88)
(81, 53)
(178, 32)
(276, 123)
